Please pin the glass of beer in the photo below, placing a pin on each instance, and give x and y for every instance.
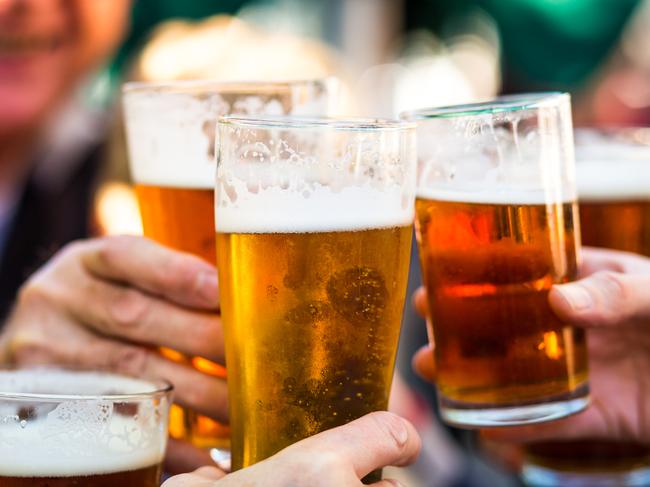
(63, 428)
(497, 226)
(314, 221)
(170, 129)
(613, 177)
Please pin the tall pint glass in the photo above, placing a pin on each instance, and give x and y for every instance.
(613, 176)
(62, 428)
(497, 226)
(314, 221)
(171, 139)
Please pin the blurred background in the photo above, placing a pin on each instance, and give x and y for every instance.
(391, 55)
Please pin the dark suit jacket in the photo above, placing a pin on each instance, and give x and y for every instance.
(45, 220)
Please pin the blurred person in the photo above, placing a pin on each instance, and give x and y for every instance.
(611, 302)
(338, 457)
(49, 149)
(104, 303)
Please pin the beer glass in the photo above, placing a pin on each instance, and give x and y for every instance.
(171, 138)
(314, 222)
(62, 428)
(497, 226)
(613, 177)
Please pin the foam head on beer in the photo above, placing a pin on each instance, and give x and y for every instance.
(60, 424)
(613, 166)
(171, 126)
(349, 184)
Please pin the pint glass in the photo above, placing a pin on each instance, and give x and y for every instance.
(62, 428)
(314, 221)
(497, 226)
(171, 139)
(613, 176)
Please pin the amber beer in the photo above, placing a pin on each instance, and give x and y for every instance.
(488, 268)
(142, 477)
(80, 429)
(170, 127)
(614, 213)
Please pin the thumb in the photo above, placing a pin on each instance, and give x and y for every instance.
(603, 299)
(374, 441)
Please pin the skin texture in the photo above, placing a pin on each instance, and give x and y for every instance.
(46, 48)
(109, 303)
(612, 302)
(340, 456)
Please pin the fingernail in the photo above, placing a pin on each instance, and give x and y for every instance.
(401, 433)
(208, 286)
(577, 296)
(394, 483)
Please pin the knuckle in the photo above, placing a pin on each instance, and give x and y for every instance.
(111, 249)
(610, 288)
(130, 360)
(129, 308)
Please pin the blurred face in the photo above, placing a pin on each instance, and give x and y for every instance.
(46, 47)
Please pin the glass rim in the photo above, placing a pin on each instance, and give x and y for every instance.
(499, 104)
(351, 124)
(160, 387)
(184, 85)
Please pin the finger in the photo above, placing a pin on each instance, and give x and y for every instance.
(387, 483)
(374, 441)
(595, 260)
(190, 480)
(127, 313)
(603, 299)
(212, 473)
(420, 301)
(179, 277)
(423, 363)
(200, 392)
(182, 457)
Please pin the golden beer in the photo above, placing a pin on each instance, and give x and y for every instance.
(488, 268)
(312, 322)
(314, 224)
(171, 132)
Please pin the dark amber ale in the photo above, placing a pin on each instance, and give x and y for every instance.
(488, 269)
(615, 217)
(140, 477)
(312, 321)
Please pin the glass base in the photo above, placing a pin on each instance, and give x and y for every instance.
(536, 476)
(465, 415)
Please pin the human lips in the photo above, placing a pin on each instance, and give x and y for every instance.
(20, 45)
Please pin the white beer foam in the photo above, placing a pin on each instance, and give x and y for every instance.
(76, 437)
(496, 196)
(168, 144)
(274, 210)
(613, 179)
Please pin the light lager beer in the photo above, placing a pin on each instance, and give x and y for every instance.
(313, 253)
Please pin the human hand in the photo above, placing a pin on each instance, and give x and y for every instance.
(612, 302)
(340, 457)
(109, 303)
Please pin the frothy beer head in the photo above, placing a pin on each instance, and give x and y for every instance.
(294, 175)
(612, 167)
(171, 126)
(56, 423)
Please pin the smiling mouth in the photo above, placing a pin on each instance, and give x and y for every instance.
(25, 45)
